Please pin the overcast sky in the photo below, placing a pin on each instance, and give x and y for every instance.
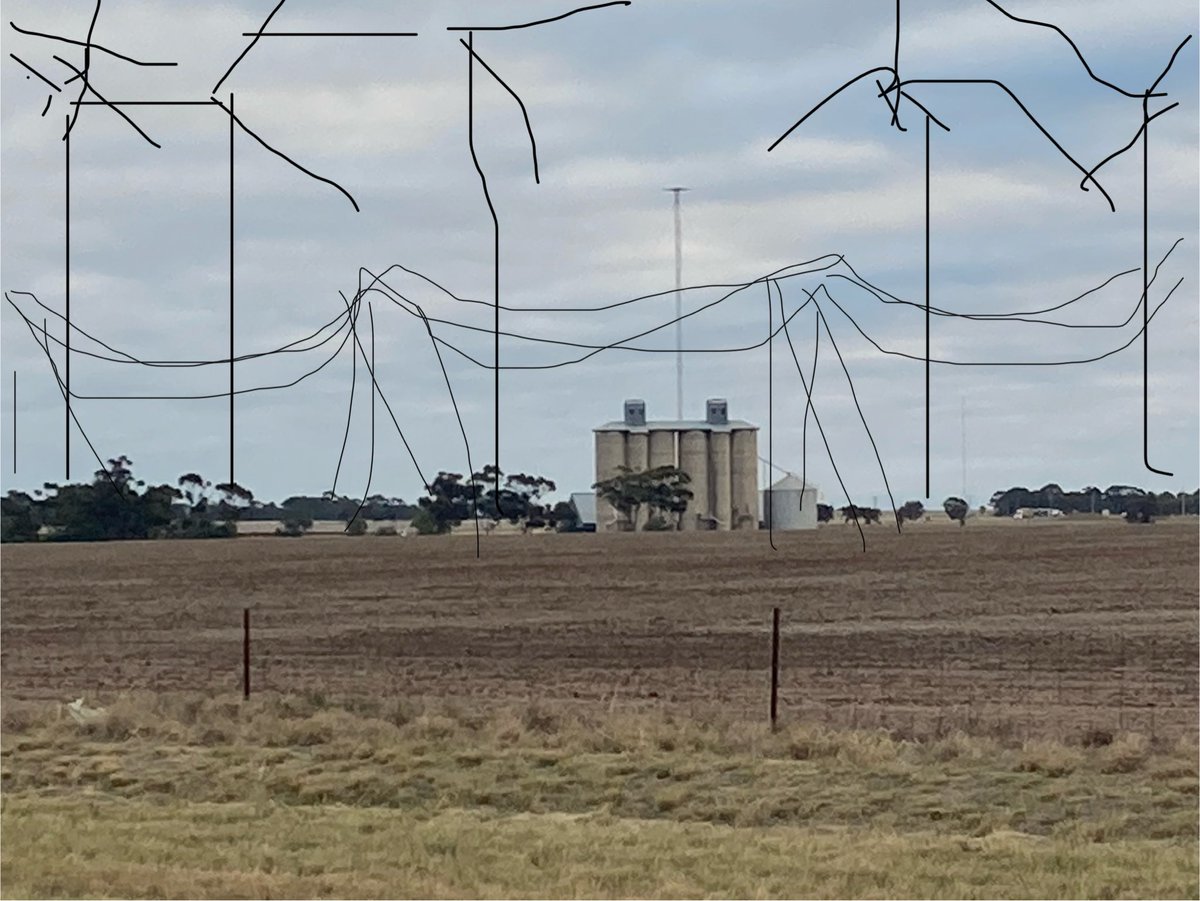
(623, 102)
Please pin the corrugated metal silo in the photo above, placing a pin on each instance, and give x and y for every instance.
(610, 457)
(743, 478)
(719, 480)
(693, 459)
(782, 507)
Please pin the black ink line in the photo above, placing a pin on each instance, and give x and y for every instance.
(449, 389)
(182, 364)
(249, 46)
(742, 286)
(141, 102)
(927, 320)
(885, 91)
(888, 100)
(388, 407)
(220, 394)
(538, 22)
(231, 284)
(858, 407)
(1146, 283)
(495, 242)
(777, 275)
(896, 72)
(807, 390)
(1067, 38)
(1163, 74)
(1132, 141)
(621, 344)
(406, 305)
(919, 106)
(524, 112)
(35, 72)
(282, 155)
(87, 63)
(94, 46)
(1032, 118)
(352, 316)
(329, 34)
(46, 109)
(808, 406)
(457, 415)
(771, 424)
(1078, 362)
(805, 117)
(374, 391)
(88, 87)
(67, 292)
(1145, 253)
(881, 294)
(898, 85)
(594, 349)
(59, 384)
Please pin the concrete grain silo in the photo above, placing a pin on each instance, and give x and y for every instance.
(720, 484)
(637, 458)
(610, 457)
(744, 479)
(662, 447)
(693, 459)
(790, 504)
(637, 451)
(720, 458)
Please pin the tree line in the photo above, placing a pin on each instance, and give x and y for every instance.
(1132, 503)
(1117, 500)
(115, 505)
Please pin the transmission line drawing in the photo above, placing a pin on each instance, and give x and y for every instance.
(895, 96)
(816, 289)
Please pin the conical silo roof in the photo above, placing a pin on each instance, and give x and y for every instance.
(793, 482)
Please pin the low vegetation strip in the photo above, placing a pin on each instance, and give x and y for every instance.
(183, 795)
(104, 848)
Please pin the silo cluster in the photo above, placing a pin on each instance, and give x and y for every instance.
(720, 458)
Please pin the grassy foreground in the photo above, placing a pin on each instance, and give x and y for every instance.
(178, 796)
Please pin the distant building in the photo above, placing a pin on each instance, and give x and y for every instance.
(584, 503)
(720, 457)
(1036, 512)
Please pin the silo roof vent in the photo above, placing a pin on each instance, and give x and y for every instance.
(635, 412)
(716, 411)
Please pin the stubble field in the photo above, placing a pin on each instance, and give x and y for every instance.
(1005, 710)
(1020, 630)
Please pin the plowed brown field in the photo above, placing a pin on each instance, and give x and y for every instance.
(1024, 629)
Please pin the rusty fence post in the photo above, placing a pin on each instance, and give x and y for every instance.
(774, 668)
(245, 652)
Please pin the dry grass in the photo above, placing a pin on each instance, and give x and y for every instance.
(184, 795)
(128, 850)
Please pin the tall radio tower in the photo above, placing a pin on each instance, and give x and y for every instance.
(678, 303)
